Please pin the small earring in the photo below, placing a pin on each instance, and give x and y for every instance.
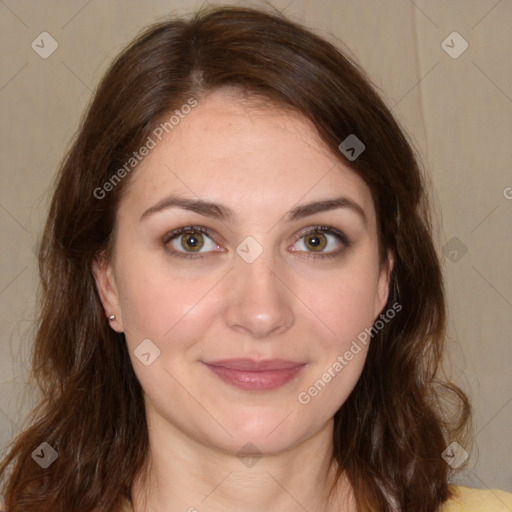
(112, 317)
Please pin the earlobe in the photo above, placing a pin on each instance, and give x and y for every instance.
(107, 290)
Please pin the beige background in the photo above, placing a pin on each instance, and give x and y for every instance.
(458, 112)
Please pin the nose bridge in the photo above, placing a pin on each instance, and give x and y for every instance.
(259, 304)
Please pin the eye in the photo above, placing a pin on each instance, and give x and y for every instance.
(315, 242)
(322, 242)
(190, 241)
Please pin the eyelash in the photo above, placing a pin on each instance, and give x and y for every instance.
(314, 229)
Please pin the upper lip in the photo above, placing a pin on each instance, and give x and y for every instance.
(255, 365)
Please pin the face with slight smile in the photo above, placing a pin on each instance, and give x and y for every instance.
(257, 278)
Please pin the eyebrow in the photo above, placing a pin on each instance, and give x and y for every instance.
(222, 212)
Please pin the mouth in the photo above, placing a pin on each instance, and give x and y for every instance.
(252, 375)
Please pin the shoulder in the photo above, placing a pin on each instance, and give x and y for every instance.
(477, 500)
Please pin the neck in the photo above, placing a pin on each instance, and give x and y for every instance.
(183, 474)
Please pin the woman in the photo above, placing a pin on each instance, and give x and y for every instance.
(242, 307)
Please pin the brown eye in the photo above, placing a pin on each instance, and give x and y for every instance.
(315, 241)
(192, 241)
(321, 242)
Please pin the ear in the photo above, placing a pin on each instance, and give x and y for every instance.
(105, 283)
(381, 297)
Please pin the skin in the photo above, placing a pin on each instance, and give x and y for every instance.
(261, 163)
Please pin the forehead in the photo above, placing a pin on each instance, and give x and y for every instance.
(246, 155)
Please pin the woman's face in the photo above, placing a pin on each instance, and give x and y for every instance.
(254, 278)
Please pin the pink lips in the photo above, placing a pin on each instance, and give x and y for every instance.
(253, 375)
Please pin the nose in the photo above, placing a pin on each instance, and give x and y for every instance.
(259, 304)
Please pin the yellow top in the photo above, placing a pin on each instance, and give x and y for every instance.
(465, 500)
(478, 500)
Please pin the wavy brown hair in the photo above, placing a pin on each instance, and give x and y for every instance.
(391, 431)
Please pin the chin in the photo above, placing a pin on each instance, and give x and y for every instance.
(262, 433)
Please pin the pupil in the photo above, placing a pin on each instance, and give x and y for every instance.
(192, 241)
(316, 242)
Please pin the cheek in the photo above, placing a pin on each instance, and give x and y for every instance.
(342, 302)
(159, 304)
(346, 306)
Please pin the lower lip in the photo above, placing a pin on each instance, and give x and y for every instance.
(256, 381)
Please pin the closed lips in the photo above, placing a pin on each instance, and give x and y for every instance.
(256, 366)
